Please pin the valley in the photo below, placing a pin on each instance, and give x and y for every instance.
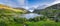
(49, 16)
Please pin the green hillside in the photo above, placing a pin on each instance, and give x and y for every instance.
(8, 15)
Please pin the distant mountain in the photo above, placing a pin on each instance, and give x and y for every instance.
(19, 8)
(41, 7)
(31, 8)
(27, 11)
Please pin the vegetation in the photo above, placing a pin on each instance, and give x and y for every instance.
(11, 17)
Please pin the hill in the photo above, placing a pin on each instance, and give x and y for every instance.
(8, 15)
(53, 10)
(7, 11)
(5, 7)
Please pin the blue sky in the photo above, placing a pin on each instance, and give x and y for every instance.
(36, 2)
(28, 3)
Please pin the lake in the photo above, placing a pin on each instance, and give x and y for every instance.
(30, 15)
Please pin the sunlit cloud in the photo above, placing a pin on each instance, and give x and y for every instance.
(50, 4)
(53, 3)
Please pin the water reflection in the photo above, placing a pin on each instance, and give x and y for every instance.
(30, 15)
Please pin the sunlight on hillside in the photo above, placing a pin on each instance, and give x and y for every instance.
(9, 8)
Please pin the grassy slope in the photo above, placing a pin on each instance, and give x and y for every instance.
(7, 8)
(7, 15)
(43, 23)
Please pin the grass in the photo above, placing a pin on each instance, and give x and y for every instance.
(44, 23)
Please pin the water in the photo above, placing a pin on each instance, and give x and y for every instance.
(30, 15)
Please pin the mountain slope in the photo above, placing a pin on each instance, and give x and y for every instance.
(6, 11)
(11, 9)
(8, 16)
(53, 10)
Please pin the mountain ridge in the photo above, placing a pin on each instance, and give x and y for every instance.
(5, 7)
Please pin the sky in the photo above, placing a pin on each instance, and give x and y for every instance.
(29, 3)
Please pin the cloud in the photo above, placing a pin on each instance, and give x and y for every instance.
(21, 2)
(53, 3)
(24, 3)
(46, 4)
(49, 4)
(13, 3)
(8, 2)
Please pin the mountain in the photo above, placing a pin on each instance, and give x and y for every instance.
(5, 7)
(27, 11)
(10, 16)
(7, 11)
(53, 10)
(41, 6)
